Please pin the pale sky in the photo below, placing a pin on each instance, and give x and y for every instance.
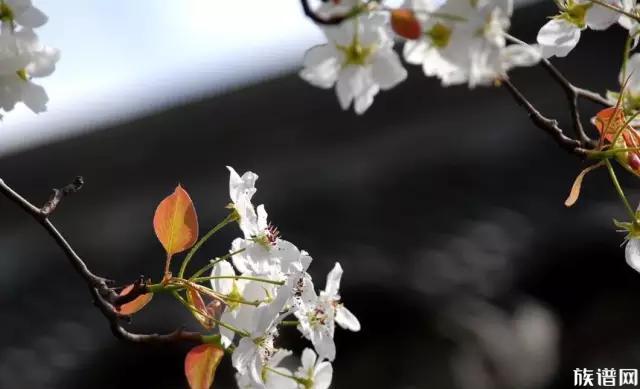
(122, 58)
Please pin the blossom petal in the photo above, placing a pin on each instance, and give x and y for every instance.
(321, 66)
(308, 359)
(323, 376)
(520, 56)
(632, 254)
(414, 51)
(346, 319)
(333, 281)
(633, 72)
(223, 285)
(34, 97)
(279, 380)
(601, 18)
(324, 345)
(558, 37)
(31, 17)
(387, 70)
(346, 84)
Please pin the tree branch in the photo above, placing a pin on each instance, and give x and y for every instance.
(548, 125)
(104, 297)
(59, 194)
(573, 94)
(332, 21)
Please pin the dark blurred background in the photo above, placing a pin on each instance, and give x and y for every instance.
(444, 206)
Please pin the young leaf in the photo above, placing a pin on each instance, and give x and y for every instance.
(137, 304)
(200, 365)
(609, 122)
(405, 23)
(176, 223)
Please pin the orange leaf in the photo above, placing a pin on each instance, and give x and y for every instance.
(137, 304)
(200, 365)
(405, 23)
(176, 223)
(609, 121)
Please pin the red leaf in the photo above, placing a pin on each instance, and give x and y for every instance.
(405, 23)
(137, 304)
(609, 122)
(200, 365)
(176, 223)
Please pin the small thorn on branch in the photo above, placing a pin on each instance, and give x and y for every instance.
(58, 194)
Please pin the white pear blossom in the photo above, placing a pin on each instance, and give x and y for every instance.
(22, 56)
(464, 41)
(561, 34)
(255, 351)
(358, 60)
(438, 34)
(261, 251)
(317, 315)
(274, 377)
(22, 12)
(264, 282)
(314, 373)
(241, 190)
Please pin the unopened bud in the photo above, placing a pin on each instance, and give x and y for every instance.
(405, 23)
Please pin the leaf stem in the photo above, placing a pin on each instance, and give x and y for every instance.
(249, 278)
(213, 319)
(214, 262)
(231, 217)
(618, 188)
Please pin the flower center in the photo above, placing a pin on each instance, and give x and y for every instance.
(6, 13)
(268, 237)
(234, 297)
(355, 53)
(440, 35)
(576, 13)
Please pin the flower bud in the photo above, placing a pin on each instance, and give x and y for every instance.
(405, 23)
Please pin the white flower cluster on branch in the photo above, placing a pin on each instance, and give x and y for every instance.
(458, 41)
(562, 33)
(271, 271)
(22, 56)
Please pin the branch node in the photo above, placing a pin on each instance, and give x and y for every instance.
(58, 194)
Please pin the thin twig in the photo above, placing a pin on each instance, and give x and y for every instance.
(104, 297)
(331, 21)
(548, 125)
(572, 97)
(58, 194)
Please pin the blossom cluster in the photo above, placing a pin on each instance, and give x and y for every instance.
(22, 56)
(272, 272)
(457, 41)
